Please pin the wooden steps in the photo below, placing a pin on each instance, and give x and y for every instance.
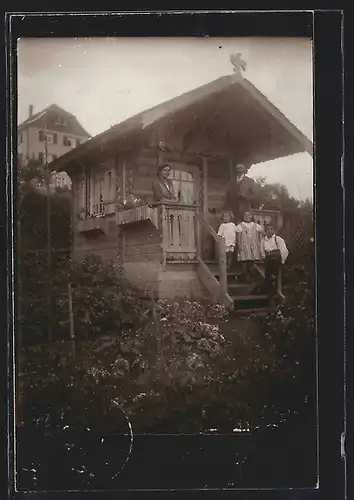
(241, 298)
(245, 302)
(260, 311)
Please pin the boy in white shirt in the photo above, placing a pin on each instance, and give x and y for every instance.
(275, 253)
(227, 230)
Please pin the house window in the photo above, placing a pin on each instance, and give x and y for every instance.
(41, 157)
(78, 142)
(184, 185)
(60, 121)
(45, 137)
(67, 141)
(96, 193)
(81, 198)
(55, 138)
(109, 192)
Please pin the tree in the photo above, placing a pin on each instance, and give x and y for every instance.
(32, 210)
(297, 215)
(274, 196)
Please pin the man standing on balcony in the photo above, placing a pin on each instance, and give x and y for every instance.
(240, 194)
(162, 188)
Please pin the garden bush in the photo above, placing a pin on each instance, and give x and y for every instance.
(103, 301)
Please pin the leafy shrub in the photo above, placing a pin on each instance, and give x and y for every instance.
(103, 301)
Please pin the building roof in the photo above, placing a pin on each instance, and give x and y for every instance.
(236, 113)
(46, 119)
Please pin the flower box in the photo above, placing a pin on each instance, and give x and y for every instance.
(93, 225)
(143, 212)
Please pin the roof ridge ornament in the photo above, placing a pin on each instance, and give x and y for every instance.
(238, 63)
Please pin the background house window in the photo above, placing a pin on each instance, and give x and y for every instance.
(55, 138)
(42, 136)
(78, 142)
(60, 121)
(67, 141)
(41, 157)
(184, 185)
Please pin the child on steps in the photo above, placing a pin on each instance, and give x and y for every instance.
(249, 238)
(275, 253)
(227, 230)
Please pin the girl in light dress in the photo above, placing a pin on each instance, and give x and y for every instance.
(227, 230)
(248, 243)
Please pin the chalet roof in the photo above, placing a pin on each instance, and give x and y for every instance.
(46, 119)
(238, 114)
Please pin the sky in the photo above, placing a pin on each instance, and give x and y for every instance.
(103, 81)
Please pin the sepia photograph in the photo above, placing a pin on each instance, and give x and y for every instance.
(165, 257)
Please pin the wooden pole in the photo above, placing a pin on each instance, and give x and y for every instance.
(222, 265)
(71, 319)
(49, 237)
(154, 314)
(123, 178)
(279, 285)
(205, 186)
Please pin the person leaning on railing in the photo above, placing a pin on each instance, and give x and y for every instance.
(162, 188)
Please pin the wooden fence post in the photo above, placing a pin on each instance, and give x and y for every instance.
(71, 320)
(222, 265)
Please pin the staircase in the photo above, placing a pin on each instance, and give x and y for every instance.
(225, 287)
(246, 298)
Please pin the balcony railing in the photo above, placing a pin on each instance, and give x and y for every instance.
(175, 222)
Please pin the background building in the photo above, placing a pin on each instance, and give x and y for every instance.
(52, 128)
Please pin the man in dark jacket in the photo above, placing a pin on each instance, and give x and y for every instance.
(240, 194)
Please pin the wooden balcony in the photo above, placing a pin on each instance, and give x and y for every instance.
(175, 223)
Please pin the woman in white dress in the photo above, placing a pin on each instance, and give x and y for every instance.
(227, 230)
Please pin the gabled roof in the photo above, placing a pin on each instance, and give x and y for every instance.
(237, 112)
(46, 119)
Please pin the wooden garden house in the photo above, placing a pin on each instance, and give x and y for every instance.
(173, 249)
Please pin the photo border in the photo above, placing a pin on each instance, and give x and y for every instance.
(328, 130)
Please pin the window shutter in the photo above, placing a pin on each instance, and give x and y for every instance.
(112, 194)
